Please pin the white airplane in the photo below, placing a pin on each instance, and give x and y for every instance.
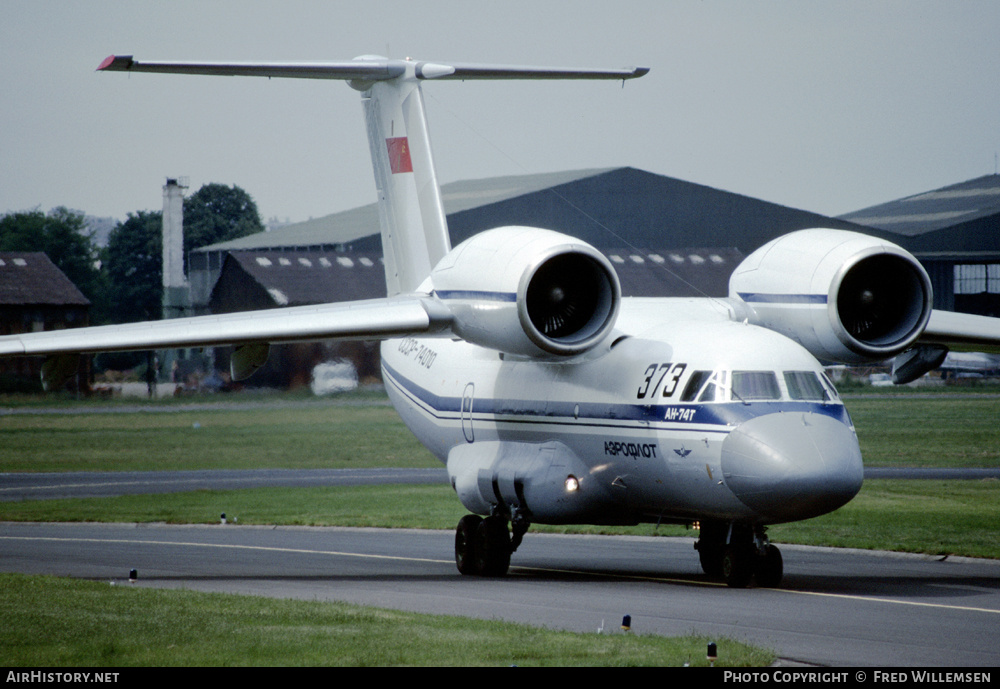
(553, 400)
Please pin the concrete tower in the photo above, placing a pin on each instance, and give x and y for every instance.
(176, 299)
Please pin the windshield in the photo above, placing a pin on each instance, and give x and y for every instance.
(758, 386)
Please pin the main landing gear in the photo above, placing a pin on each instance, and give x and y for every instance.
(739, 553)
(483, 545)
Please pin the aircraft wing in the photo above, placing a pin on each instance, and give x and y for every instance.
(370, 319)
(963, 332)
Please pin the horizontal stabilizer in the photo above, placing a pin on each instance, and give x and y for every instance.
(365, 69)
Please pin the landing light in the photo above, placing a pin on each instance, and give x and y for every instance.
(572, 484)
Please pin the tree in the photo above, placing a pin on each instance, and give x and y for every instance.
(133, 263)
(133, 259)
(63, 236)
(217, 213)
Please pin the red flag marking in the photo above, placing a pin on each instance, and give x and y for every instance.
(399, 155)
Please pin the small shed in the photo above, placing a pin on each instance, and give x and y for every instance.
(35, 296)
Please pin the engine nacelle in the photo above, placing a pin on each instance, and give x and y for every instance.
(844, 296)
(523, 290)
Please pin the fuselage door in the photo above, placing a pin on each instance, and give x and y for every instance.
(467, 398)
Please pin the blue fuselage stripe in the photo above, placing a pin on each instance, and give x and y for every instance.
(726, 415)
(479, 295)
(758, 298)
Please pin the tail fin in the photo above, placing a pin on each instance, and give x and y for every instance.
(411, 215)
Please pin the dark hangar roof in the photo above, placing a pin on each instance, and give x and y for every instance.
(32, 279)
(259, 279)
(626, 207)
(267, 279)
(960, 218)
(934, 210)
(613, 207)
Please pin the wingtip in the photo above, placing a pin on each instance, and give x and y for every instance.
(115, 63)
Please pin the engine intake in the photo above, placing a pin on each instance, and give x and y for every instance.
(881, 299)
(529, 291)
(844, 296)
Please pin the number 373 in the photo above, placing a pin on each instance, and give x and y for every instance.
(657, 375)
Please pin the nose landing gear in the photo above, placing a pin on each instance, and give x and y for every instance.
(739, 553)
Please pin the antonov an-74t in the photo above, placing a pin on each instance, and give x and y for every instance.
(515, 360)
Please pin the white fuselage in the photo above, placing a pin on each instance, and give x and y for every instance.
(625, 420)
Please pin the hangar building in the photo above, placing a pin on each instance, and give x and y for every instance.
(955, 233)
(624, 211)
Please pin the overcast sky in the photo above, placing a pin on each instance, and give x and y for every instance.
(824, 106)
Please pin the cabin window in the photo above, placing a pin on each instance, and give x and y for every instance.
(755, 385)
(804, 385)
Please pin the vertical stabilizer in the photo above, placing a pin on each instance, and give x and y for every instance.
(411, 215)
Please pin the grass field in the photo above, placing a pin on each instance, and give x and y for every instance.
(50, 622)
(58, 622)
(289, 431)
(934, 431)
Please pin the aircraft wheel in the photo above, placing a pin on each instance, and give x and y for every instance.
(466, 556)
(737, 566)
(769, 567)
(710, 545)
(711, 559)
(493, 547)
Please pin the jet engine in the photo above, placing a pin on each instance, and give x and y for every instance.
(527, 291)
(844, 296)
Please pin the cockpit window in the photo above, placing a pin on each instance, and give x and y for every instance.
(755, 385)
(805, 385)
(695, 382)
(716, 389)
(830, 387)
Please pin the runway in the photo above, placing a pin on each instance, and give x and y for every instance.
(835, 607)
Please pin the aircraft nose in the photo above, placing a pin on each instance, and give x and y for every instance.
(792, 465)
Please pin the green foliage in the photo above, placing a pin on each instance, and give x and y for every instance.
(124, 281)
(133, 261)
(217, 213)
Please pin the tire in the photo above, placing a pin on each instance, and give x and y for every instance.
(710, 546)
(769, 567)
(737, 566)
(711, 560)
(466, 553)
(493, 547)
